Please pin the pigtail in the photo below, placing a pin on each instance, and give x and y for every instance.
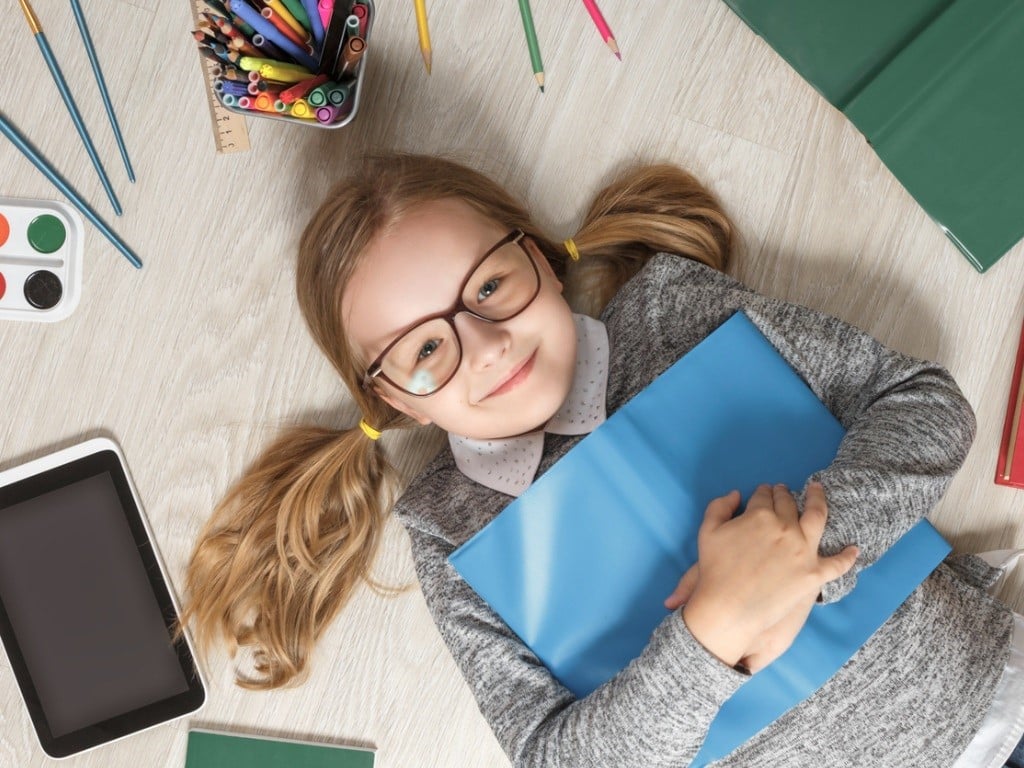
(287, 547)
(652, 209)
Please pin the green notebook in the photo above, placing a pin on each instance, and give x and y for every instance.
(213, 749)
(936, 87)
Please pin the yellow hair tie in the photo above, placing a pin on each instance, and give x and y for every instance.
(574, 252)
(369, 431)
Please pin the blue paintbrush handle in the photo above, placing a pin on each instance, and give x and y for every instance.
(90, 49)
(76, 117)
(57, 180)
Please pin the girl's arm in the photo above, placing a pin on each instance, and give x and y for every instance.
(908, 426)
(654, 713)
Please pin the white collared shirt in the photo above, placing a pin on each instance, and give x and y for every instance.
(509, 465)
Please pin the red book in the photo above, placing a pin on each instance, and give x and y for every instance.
(1010, 465)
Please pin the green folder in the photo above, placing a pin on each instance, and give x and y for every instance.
(936, 87)
(213, 749)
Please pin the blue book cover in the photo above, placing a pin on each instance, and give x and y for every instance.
(579, 565)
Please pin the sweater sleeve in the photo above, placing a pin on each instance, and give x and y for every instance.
(654, 713)
(908, 427)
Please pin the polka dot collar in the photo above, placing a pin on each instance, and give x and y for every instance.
(509, 465)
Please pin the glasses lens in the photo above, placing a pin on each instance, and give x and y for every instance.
(424, 358)
(503, 284)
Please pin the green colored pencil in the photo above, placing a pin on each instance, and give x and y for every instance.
(531, 42)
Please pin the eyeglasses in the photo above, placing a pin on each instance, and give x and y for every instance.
(503, 283)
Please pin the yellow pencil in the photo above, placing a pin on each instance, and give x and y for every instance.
(421, 26)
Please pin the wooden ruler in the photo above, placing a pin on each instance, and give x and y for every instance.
(230, 133)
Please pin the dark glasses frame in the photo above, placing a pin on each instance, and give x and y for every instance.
(376, 369)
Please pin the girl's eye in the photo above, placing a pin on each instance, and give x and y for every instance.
(428, 349)
(488, 289)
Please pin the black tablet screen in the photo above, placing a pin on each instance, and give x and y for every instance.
(81, 607)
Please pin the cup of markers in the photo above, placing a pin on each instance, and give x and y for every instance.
(294, 60)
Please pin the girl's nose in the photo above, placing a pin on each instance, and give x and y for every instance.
(483, 343)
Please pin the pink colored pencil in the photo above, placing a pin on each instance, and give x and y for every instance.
(602, 26)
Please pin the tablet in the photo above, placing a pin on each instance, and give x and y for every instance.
(86, 610)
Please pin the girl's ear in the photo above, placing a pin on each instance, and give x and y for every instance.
(542, 261)
(398, 405)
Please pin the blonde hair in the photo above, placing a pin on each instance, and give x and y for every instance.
(291, 540)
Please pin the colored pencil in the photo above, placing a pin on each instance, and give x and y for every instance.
(40, 162)
(531, 43)
(602, 26)
(69, 102)
(423, 30)
(90, 49)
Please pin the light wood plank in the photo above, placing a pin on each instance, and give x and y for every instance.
(197, 360)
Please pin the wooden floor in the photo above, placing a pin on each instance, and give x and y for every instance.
(194, 362)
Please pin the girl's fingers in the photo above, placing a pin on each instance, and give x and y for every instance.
(832, 567)
(815, 513)
(762, 497)
(785, 504)
(720, 511)
(684, 590)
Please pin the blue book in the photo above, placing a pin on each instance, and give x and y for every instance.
(579, 565)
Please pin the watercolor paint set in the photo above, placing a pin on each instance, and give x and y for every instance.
(40, 259)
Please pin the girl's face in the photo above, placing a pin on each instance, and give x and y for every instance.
(514, 375)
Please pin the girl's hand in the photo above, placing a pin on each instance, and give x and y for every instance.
(757, 572)
(776, 640)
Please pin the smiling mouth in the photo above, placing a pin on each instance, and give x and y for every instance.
(518, 376)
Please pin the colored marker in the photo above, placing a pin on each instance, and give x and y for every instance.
(69, 102)
(285, 15)
(318, 96)
(326, 10)
(363, 14)
(301, 109)
(351, 53)
(255, 63)
(40, 162)
(270, 15)
(283, 74)
(327, 113)
(265, 102)
(300, 89)
(299, 13)
(267, 48)
(338, 94)
(316, 23)
(253, 18)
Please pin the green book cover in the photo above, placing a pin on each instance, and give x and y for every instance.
(212, 749)
(937, 89)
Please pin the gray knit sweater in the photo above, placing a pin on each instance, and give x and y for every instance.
(914, 695)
